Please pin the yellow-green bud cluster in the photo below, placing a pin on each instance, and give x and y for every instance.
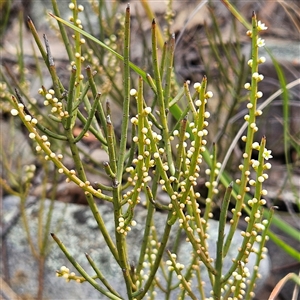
(112, 62)
(65, 273)
(123, 228)
(76, 10)
(57, 108)
(29, 171)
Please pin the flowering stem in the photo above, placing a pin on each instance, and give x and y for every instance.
(259, 254)
(157, 261)
(169, 70)
(160, 98)
(63, 32)
(100, 111)
(82, 271)
(126, 95)
(219, 252)
(182, 279)
(249, 140)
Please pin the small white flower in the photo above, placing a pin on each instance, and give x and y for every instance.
(261, 26)
(267, 154)
(260, 42)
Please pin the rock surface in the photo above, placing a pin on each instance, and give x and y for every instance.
(75, 226)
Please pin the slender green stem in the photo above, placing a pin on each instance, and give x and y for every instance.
(155, 266)
(82, 271)
(254, 218)
(180, 153)
(70, 98)
(150, 213)
(101, 276)
(89, 196)
(63, 32)
(219, 254)
(163, 59)
(179, 96)
(37, 41)
(232, 9)
(57, 85)
(182, 280)
(52, 156)
(169, 70)
(95, 132)
(100, 110)
(126, 95)
(190, 100)
(260, 255)
(89, 119)
(213, 175)
(118, 166)
(249, 140)
(160, 98)
(197, 146)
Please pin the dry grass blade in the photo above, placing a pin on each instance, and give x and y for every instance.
(282, 282)
(7, 292)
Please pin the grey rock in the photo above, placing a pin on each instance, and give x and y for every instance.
(77, 229)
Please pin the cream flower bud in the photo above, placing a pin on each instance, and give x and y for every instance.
(31, 135)
(209, 94)
(147, 110)
(133, 92)
(14, 112)
(259, 94)
(197, 85)
(262, 60)
(247, 86)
